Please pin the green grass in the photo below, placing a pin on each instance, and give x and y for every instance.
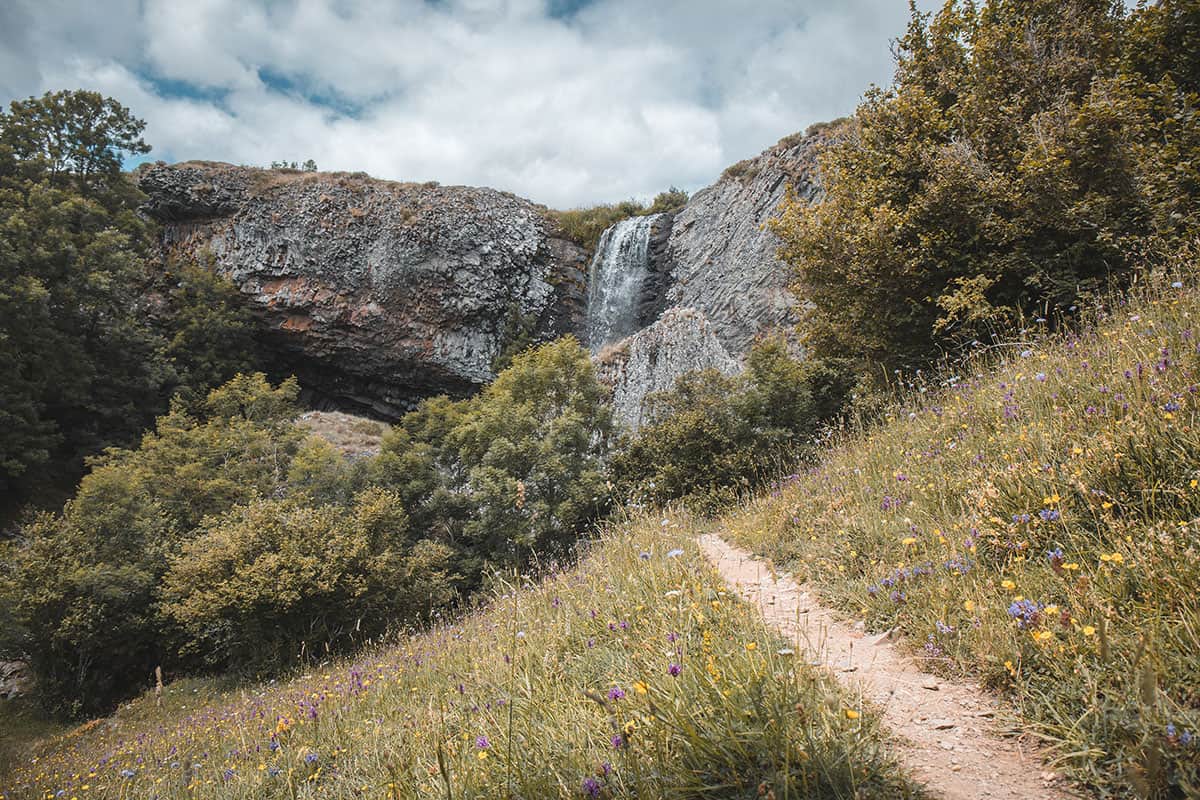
(23, 725)
(532, 673)
(1036, 525)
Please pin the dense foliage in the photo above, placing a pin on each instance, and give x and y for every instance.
(714, 437)
(87, 361)
(228, 540)
(1027, 154)
(82, 585)
(515, 470)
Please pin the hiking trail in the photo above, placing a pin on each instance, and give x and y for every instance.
(946, 732)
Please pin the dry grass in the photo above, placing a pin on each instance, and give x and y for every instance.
(353, 436)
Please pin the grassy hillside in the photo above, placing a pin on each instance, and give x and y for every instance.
(1035, 522)
(633, 675)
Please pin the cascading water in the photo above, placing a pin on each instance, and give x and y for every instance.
(618, 273)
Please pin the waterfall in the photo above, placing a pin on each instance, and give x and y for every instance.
(618, 273)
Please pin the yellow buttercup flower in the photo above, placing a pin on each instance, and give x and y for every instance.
(851, 713)
(1007, 584)
(969, 605)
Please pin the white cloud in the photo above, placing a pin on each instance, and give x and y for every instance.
(621, 99)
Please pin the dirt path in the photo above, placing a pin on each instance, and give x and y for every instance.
(948, 740)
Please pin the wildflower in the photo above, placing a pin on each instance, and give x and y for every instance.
(1041, 377)
(639, 687)
(674, 669)
(1049, 515)
(591, 787)
(751, 645)
(644, 556)
(616, 693)
(1089, 630)
(851, 714)
(909, 540)
(1176, 284)
(676, 553)
(618, 741)
(1027, 613)
(311, 758)
(482, 743)
(1007, 584)
(969, 605)
(1114, 558)
(127, 773)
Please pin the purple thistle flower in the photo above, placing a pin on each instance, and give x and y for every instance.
(616, 693)
(674, 669)
(591, 787)
(618, 741)
(482, 742)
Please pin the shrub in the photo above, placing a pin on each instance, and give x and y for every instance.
(583, 226)
(271, 580)
(81, 585)
(713, 436)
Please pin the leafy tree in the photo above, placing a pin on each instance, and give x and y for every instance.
(207, 332)
(516, 469)
(1027, 154)
(81, 585)
(77, 354)
(76, 136)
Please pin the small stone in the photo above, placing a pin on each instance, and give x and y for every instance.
(941, 724)
(931, 684)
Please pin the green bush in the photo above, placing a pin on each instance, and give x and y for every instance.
(713, 436)
(269, 581)
(514, 470)
(81, 586)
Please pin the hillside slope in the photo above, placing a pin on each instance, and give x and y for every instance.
(634, 675)
(1033, 523)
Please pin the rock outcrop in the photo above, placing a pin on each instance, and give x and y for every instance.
(723, 255)
(716, 282)
(650, 361)
(375, 293)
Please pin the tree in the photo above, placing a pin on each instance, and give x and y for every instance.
(515, 470)
(81, 586)
(1028, 154)
(77, 134)
(77, 353)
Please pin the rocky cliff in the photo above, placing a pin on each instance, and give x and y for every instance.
(717, 282)
(651, 360)
(375, 293)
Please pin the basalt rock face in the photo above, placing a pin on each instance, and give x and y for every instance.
(650, 361)
(716, 283)
(374, 293)
(722, 254)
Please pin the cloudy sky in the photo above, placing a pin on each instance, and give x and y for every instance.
(568, 102)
